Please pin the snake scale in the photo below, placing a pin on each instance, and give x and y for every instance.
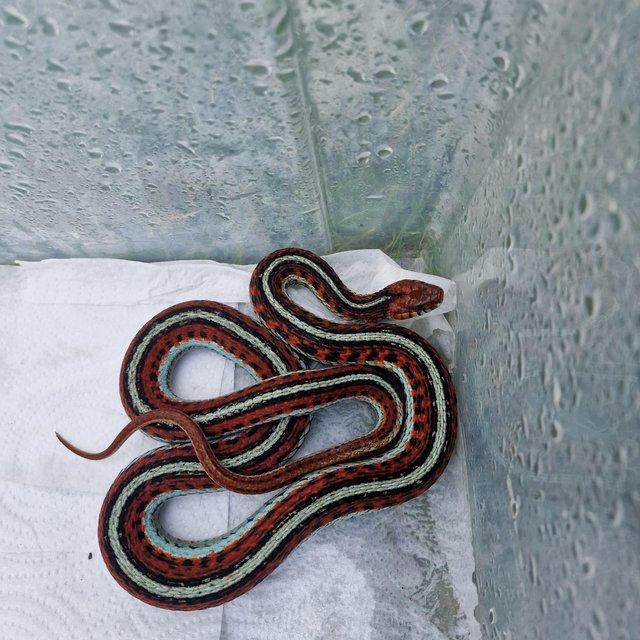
(244, 441)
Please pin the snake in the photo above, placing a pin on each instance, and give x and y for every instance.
(246, 441)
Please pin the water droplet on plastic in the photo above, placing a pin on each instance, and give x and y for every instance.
(384, 151)
(258, 68)
(112, 167)
(49, 26)
(384, 72)
(121, 27)
(356, 75)
(584, 205)
(13, 16)
(419, 24)
(557, 431)
(438, 81)
(55, 65)
(501, 60)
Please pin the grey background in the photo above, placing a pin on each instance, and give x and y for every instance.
(491, 130)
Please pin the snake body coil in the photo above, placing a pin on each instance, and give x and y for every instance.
(242, 441)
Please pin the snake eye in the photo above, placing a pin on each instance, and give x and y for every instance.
(411, 298)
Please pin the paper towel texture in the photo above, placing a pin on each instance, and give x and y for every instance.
(400, 573)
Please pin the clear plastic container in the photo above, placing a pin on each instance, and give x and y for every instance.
(495, 140)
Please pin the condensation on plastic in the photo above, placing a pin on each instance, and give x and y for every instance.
(548, 333)
(498, 138)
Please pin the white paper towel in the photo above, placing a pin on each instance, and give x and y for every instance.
(66, 325)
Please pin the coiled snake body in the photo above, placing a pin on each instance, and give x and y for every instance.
(242, 441)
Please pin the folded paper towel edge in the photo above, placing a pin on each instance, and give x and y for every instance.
(238, 291)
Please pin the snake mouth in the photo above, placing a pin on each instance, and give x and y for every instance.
(411, 298)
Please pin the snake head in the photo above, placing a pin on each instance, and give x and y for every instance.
(411, 298)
